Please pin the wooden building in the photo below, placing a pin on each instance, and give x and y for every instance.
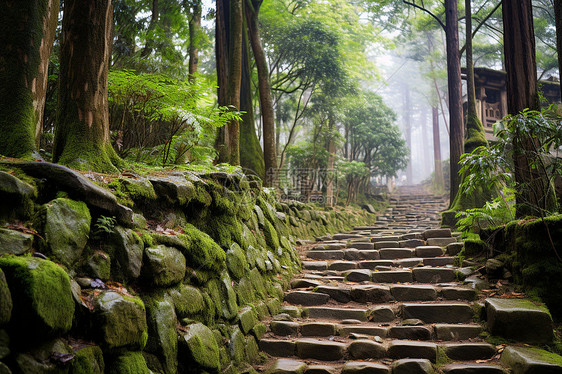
(491, 96)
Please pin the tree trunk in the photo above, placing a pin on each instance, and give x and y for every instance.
(27, 32)
(229, 71)
(533, 195)
(476, 137)
(251, 157)
(330, 172)
(424, 122)
(456, 135)
(266, 100)
(194, 37)
(558, 17)
(408, 130)
(150, 30)
(82, 132)
(439, 181)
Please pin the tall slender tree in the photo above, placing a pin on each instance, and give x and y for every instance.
(82, 131)
(229, 25)
(264, 87)
(456, 124)
(534, 192)
(194, 9)
(27, 32)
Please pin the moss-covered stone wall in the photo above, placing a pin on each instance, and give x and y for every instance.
(533, 251)
(169, 273)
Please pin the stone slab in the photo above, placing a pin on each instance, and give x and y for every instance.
(438, 313)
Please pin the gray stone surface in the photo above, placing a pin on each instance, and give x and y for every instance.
(366, 349)
(338, 293)
(437, 233)
(353, 254)
(524, 360)
(359, 275)
(519, 319)
(456, 332)
(412, 349)
(14, 242)
(412, 366)
(381, 314)
(371, 293)
(306, 298)
(287, 366)
(277, 348)
(394, 276)
(429, 251)
(320, 349)
(315, 265)
(359, 367)
(473, 369)
(318, 329)
(458, 293)
(364, 330)
(438, 313)
(338, 313)
(410, 332)
(441, 242)
(396, 253)
(413, 292)
(387, 244)
(284, 328)
(342, 265)
(325, 255)
(434, 275)
(469, 351)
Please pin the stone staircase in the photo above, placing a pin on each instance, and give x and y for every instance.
(386, 299)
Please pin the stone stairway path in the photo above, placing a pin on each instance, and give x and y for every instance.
(382, 299)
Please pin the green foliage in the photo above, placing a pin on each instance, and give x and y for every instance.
(493, 213)
(532, 135)
(172, 116)
(104, 226)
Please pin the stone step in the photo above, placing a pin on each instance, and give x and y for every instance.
(440, 332)
(527, 360)
(519, 320)
(335, 313)
(473, 369)
(438, 313)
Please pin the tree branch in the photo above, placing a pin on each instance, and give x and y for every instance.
(480, 24)
(427, 11)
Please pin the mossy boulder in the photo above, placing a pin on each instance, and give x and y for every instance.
(88, 360)
(162, 335)
(187, 300)
(236, 261)
(201, 250)
(98, 265)
(163, 266)
(43, 304)
(271, 237)
(4, 344)
(126, 248)
(5, 300)
(139, 190)
(128, 363)
(65, 225)
(200, 347)
(14, 242)
(228, 305)
(247, 319)
(245, 291)
(120, 320)
(38, 360)
(237, 347)
(16, 196)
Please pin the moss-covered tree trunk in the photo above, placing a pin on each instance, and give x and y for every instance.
(476, 136)
(82, 132)
(264, 87)
(534, 192)
(27, 32)
(229, 27)
(456, 135)
(251, 155)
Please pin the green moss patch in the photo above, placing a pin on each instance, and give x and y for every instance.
(43, 303)
(128, 363)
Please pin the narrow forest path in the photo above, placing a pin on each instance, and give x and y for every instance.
(383, 299)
